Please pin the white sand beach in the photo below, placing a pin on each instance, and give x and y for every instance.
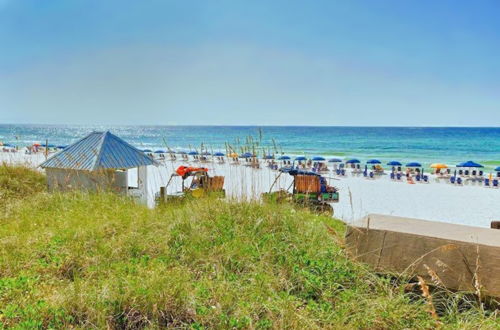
(468, 204)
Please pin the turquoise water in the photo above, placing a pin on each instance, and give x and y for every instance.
(426, 145)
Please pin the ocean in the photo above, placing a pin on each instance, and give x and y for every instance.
(423, 144)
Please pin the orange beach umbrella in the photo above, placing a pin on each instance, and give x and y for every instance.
(439, 166)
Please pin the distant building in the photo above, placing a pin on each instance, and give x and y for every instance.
(98, 162)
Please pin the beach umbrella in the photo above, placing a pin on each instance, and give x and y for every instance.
(8, 145)
(300, 158)
(233, 155)
(218, 154)
(147, 150)
(62, 147)
(50, 146)
(268, 157)
(394, 163)
(284, 157)
(469, 163)
(318, 159)
(246, 155)
(439, 166)
(335, 160)
(374, 161)
(497, 169)
(413, 164)
(160, 152)
(353, 161)
(193, 153)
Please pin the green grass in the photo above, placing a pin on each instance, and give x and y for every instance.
(19, 181)
(101, 261)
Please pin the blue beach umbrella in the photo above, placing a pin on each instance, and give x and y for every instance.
(218, 154)
(318, 159)
(394, 163)
(246, 155)
(193, 153)
(373, 161)
(335, 160)
(469, 163)
(497, 169)
(62, 147)
(147, 150)
(300, 158)
(413, 164)
(353, 161)
(160, 151)
(284, 157)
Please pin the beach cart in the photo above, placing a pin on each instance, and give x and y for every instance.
(309, 189)
(196, 183)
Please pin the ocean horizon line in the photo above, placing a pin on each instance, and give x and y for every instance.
(244, 126)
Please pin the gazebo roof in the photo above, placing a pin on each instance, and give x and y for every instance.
(99, 150)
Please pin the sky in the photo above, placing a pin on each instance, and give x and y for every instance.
(259, 62)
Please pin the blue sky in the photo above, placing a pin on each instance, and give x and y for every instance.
(381, 63)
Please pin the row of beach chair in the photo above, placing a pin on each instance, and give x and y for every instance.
(418, 178)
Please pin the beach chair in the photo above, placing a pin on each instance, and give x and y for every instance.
(398, 176)
(371, 175)
(495, 183)
(417, 177)
(393, 176)
(486, 182)
(460, 172)
(365, 174)
(459, 181)
(343, 172)
(452, 180)
(426, 178)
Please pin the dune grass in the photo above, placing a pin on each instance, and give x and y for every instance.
(19, 181)
(101, 261)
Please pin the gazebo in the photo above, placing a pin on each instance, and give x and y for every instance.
(99, 161)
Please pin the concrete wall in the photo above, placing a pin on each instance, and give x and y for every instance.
(454, 256)
(63, 179)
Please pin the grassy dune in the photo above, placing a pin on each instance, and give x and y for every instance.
(101, 261)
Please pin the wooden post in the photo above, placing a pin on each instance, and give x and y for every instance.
(495, 225)
(162, 194)
(46, 148)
